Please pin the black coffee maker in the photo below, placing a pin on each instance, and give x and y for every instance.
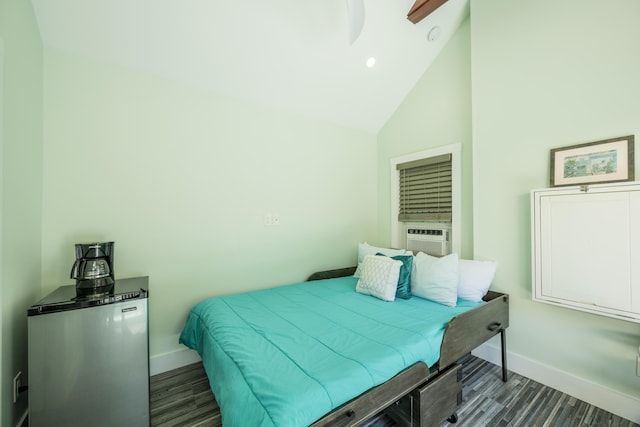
(93, 268)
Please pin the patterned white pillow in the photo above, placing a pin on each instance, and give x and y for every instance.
(379, 277)
(365, 249)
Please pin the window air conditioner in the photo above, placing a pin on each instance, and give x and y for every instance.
(432, 241)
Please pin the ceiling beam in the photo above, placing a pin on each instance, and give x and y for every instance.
(422, 8)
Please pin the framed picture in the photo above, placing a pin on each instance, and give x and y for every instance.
(610, 160)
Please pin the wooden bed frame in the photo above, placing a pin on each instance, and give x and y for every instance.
(421, 395)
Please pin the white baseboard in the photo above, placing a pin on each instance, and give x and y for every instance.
(172, 360)
(605, 398)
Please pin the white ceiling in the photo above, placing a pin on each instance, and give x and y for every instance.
(289, 54)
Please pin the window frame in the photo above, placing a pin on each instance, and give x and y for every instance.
(398, 228)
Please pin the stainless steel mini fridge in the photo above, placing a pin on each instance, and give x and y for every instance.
(89, 357)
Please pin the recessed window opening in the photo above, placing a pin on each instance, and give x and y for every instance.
(426, 198)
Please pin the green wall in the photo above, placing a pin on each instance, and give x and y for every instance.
(549, 74)
(518, 88)
(20, 193)
(180, 178)
(437, 112)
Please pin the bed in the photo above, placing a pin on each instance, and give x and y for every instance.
(317, 353)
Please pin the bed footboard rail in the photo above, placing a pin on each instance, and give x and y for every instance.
(472, 328)
(365, 406)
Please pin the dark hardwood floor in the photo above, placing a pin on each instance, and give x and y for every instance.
(182, 397)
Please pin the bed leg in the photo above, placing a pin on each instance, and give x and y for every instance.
(503, 343)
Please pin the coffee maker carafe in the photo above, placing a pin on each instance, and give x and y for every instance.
(93, 268)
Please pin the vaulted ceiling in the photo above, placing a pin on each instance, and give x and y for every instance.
(293, 55)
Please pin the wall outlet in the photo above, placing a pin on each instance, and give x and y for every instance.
(271, 219)
(17, 383)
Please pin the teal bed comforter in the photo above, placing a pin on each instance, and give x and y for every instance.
(286, 356)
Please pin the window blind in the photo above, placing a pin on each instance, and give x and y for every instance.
(425, 189)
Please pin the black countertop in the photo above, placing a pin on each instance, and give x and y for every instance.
(66, 297)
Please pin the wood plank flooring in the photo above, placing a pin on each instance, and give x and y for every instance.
(182, 397)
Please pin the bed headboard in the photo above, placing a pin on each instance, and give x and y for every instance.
(330, 274)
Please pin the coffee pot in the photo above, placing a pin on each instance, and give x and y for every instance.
(93, 267)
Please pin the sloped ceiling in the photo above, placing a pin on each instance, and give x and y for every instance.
(289, 54)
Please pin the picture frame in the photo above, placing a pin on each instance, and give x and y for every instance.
(609, 160)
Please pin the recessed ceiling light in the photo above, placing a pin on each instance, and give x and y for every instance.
(371, 62)
(433, 34)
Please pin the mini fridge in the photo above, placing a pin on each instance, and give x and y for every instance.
(89, 357)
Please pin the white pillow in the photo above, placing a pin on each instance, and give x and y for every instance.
(435, 279)
(365, 249)
(379, 277)
(475, 278)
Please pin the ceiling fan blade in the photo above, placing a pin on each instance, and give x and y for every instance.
(356, 19)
